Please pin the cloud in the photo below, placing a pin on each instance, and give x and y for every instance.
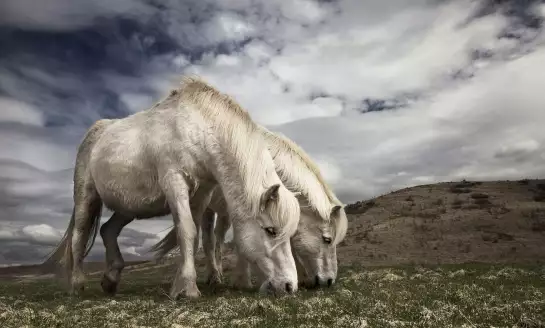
(26, 244)
(37, 146)
(398, 56)
(382, 94)
(486, 128)
(32, 243)
(63, 14)
(41, 233)
(12, 110)
(330, 171)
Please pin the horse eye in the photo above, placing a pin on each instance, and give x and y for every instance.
(271, 231)
(327, 240)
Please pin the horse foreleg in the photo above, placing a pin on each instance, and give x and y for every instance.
(177, 193)
(243, 274)
(199, 202)
(114, 260)
(222, 225)
(208, 241)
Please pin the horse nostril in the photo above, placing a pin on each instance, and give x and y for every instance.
(329, 282)
(289, 287)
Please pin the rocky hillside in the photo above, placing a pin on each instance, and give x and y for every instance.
(501, 221)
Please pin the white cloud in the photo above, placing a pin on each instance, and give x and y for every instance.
(12, 110)
(229, 27)
(304, 11)
(330, 171)
(30, 146)
(136, 102)
(42, 233)
(487, 128)
(411, 50)
(518, 148)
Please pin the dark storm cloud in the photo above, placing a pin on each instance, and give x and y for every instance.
(74, 63)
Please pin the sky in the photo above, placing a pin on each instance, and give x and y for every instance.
(381, 94)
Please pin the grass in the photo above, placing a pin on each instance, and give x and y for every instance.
(447, 296)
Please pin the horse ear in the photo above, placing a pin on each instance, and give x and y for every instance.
(269, 194)
(335, 210)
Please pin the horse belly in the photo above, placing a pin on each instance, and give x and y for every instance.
(128, 184)
(135, 195)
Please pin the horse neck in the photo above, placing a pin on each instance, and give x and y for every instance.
(243, 171)
(316, 197)
(298, 178)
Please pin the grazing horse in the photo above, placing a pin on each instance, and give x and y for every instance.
(158, 161)
(322, 225)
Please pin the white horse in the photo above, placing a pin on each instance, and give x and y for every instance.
(322, 225)
(154, 162)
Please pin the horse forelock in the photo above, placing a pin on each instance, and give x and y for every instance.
(285, 213)
(340, 226)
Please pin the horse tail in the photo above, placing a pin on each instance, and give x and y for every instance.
(62, 254)
(165, 245)
(56, 257)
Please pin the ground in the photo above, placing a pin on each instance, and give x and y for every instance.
(467, 295)
(465, 254)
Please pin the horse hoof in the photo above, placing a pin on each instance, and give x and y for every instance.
(77, 290)
(243, 285)
(191, 293)
(214, 279)
(109, 287)
(187, 294)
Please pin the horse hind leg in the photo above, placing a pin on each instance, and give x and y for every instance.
(114, 260)
(87, 212)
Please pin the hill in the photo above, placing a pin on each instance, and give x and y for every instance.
(455, 222)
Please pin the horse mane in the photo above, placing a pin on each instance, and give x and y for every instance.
(304, 176)
(240, 135)
(212, 102)
(280, 144)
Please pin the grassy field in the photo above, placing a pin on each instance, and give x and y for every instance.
(446, 296)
